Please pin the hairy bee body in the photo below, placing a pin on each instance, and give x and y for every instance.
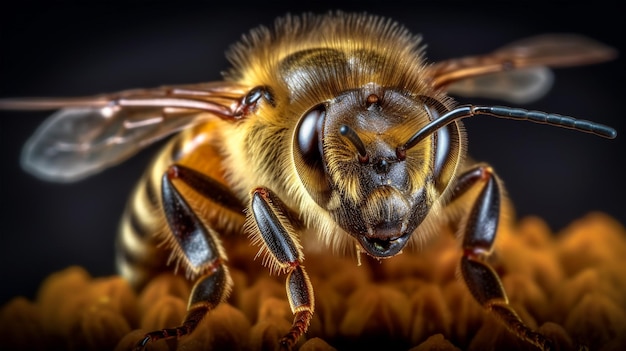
(347, 54)
(312, 59)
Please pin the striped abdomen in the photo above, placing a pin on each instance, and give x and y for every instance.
(144, 246)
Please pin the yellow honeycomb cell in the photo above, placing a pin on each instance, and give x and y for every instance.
(570, 286)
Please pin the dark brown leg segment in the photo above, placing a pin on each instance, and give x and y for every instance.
(478, 238)
(198, 244)
(278, 239)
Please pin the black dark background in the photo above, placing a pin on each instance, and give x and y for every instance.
(70, 49)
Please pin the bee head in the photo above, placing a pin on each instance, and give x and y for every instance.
(348, 156)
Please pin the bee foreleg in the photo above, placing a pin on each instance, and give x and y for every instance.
(478, 238)
(278, 240)
(200, 250)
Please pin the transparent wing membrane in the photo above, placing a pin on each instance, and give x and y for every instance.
(90, 134)
(550, 50)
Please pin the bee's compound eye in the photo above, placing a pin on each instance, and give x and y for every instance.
(308, 135)
(308, 154)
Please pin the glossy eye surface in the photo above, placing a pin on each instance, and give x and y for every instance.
(308, 136)
(308, 153)
(442, 142)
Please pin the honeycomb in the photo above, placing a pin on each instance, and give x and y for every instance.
(570, 286)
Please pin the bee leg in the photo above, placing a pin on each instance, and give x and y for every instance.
(201, 249)
(478, 238)
(275, 232)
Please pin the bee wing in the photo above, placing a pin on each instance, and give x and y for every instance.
(90, 134)
(517, 72)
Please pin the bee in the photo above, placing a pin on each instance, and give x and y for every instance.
(328, 130)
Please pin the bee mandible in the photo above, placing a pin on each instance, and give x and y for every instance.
(328, 129)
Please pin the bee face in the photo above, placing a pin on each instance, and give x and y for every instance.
(346, 153)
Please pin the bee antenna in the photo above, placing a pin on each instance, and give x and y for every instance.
(354, 139)
(508, 113)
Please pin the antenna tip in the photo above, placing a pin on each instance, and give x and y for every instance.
(612, 134)
(605, 131)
